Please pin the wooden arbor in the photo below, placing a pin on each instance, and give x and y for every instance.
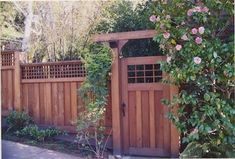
(121, 143)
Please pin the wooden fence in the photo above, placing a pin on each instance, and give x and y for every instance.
(46, 91)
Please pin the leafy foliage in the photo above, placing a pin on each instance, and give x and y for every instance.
(18, 120)
(198, 41)
(32, 131)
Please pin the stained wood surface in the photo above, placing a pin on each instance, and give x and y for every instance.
(143, 130)
(50, 101)
(142, 34)
(147, 131)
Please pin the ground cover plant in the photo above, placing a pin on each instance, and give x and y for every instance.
(22, 125)
(33, 132)
(198, 39)
(17, 121)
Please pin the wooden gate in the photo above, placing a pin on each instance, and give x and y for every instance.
(146, 131)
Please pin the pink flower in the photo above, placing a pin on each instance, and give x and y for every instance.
(168, 59)
(153, 18)
(198, 40)
(197, 9)
(190, 12)
(166, 35)
(201, 30)
(204, 9)
(194, 31)
(197, 60)
(178, 47)
(184, 37)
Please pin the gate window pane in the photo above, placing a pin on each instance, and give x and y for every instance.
(139, 67)
(148, 73)
(148, 67)
(131, 67)
(131, 74)
(140, 80)
(140, 73)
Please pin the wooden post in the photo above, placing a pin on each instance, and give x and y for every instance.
(116, 123)
(17, 78)
(116, 96)
(175, 138)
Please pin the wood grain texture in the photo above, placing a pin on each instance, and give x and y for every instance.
(74, 102)
(61, 103)
(138, 119)
(67, 105)
(115, 84)
(142, 34)
(55, 103)
(125, 106)
(36, 106)
(145, 118)
(48, 106)
(10, 84)
(42, 103)
(132, 118)
(152, 122)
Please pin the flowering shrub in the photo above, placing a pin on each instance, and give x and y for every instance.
(195, 37)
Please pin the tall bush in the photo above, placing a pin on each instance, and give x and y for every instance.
(198, 39)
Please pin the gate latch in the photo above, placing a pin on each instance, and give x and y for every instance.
(123, 108)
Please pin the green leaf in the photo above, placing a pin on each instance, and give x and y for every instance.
(207, 97)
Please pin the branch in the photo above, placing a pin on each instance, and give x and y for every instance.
(18, 8)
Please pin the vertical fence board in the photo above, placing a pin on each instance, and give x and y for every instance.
(132, 118)
(159, 119)
(4, 89)
(41, 104)
(25, 98)
(48, 107)
(55, 104)
(80, 101)
(67, 107)
(152, 119)
(31, 99)
(9, 90)
(36, 112)
(167, 134)
(145, 118)
(74, 101)
(138, 119)
(61, 103)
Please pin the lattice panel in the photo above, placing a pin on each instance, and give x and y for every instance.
(8, 59)
(55, 70)
(148, 73)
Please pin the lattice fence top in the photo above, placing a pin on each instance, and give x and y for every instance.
(50, 70)
(7, 58)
